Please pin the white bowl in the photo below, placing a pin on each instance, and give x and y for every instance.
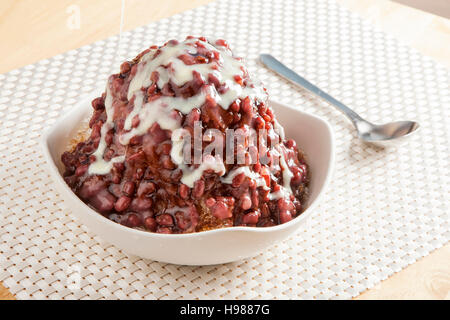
(311, 133)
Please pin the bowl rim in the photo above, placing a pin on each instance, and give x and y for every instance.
(142, 233)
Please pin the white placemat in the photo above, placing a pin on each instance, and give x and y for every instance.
(383, 210)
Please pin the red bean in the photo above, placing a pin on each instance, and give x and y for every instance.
(158, 134)
(122, 203)
(192, 117)
(223, 208)
(238, 79)
(291, 144)
(133, 221)
(251, 218)
(285, 216)
(166, 147)
(182, 222)
(117, 84)
(167, 162)
(246, 202)
(135, 141)
(103, 201)
(116, 177)
(125, 67)
(255, 199)
(98, 104)
(222, 43)
(135, 121)
(235, 107)
(109, 137)
(164, 230)
(128, 188)
(246, 106)
(164, 219)
(210, 202)
(81, 170)
(259, 123)
(119, 166)
(150, 224)
(141, 204)
(199, 188)
(238, 180)
(145, 188)
(91, 186)
(183, 191)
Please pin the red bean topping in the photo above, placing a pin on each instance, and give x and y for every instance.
(133, 221)
(235, 107)
(150, 224)
(116, 177)
(151, 90)
(115, 190)
(103, 201)
(222, 43)
(238, 79)
(259, 123)
(164, 220)
(192, 117)
(246, 202)
(251, 218)
(167, 162)
(223, 208)
(210, 202)
(141, 204)
(285, 216)
(176, 175)
(199, 188)
(291, 144)
(109, 137)
(146, 187)
(122, 203)
(255, 199)
(267, 118)
(158, 134)
(238, 180)
(81, 170)
(246, 105)
(183, 222)
(136, 140)
(95, 132)
(128, 188)
(183, 191)
(98, 104)
(91, 186)
(135, 121)
(164, 230)
(117, 84)
(125, 67)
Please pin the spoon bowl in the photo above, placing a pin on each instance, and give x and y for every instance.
(385, 133)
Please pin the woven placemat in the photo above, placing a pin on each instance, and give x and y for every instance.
(384, 209)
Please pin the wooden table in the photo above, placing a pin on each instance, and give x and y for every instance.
(35, 30)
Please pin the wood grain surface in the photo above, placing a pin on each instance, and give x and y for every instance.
(34, 30)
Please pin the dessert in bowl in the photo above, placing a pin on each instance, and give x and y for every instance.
(171, 194)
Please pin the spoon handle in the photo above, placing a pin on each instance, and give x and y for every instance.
(275, 65)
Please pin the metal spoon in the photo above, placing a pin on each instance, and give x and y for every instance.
(383, 133)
